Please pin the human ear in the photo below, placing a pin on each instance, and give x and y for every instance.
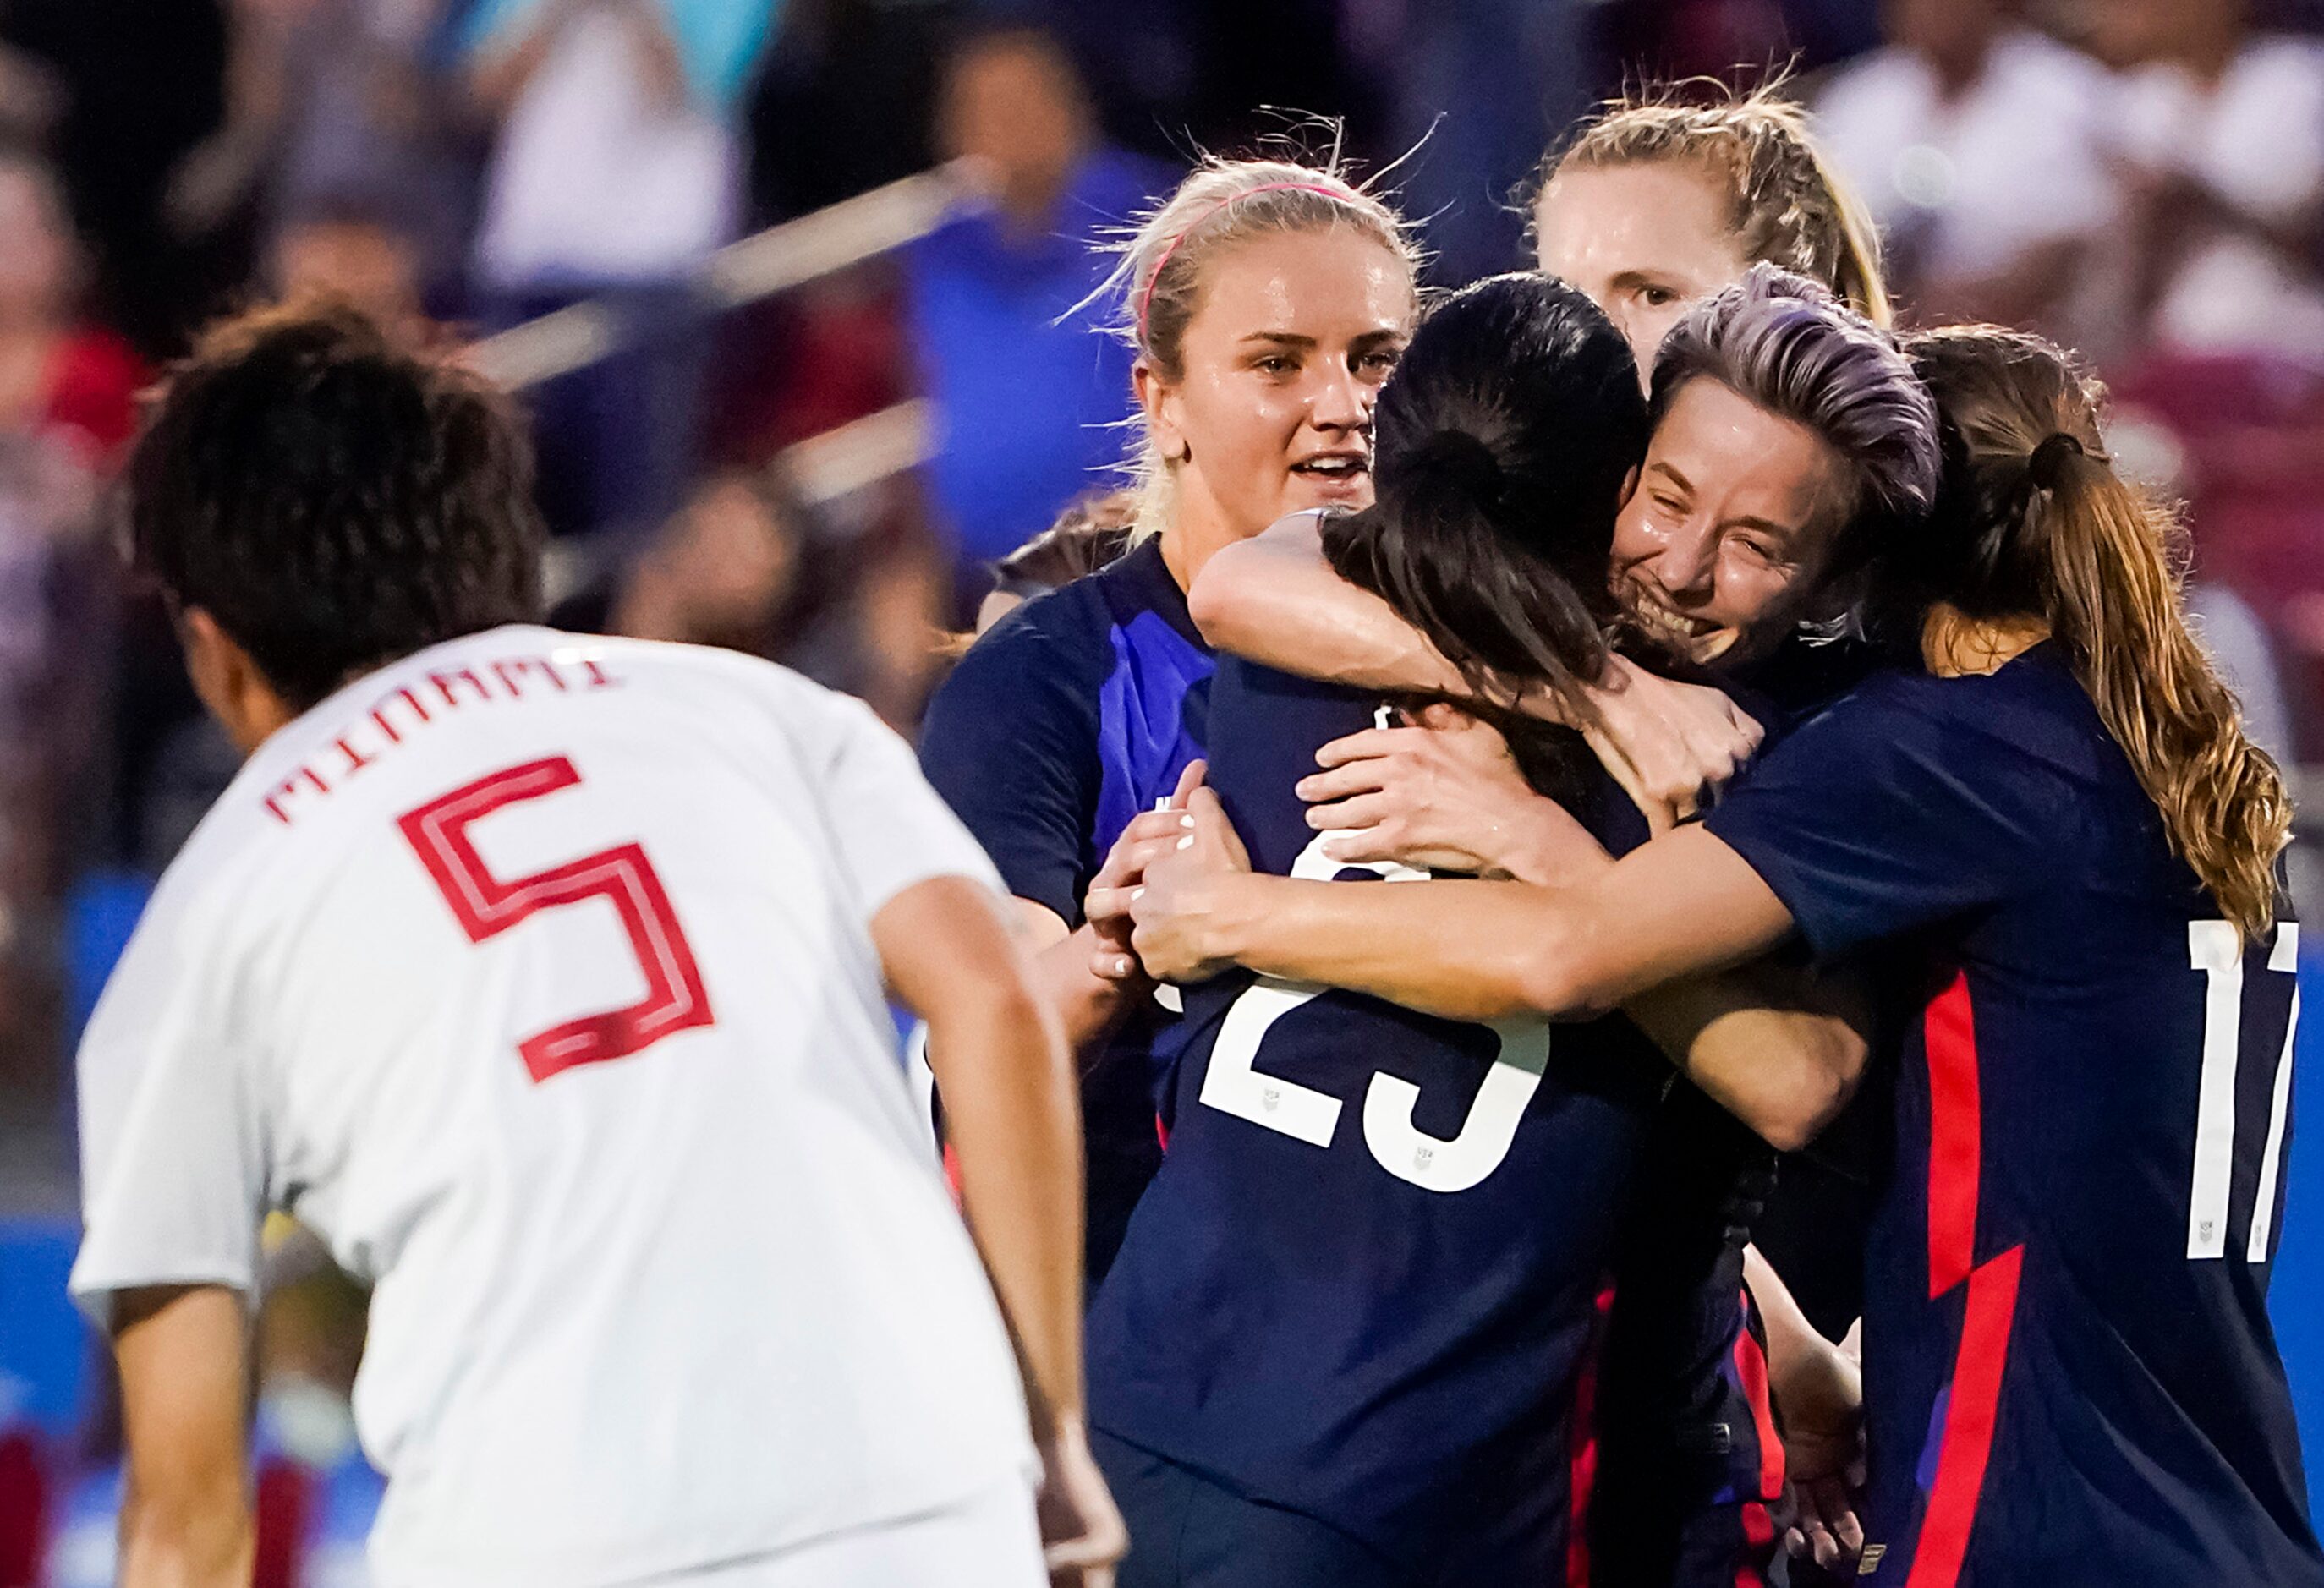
(1158, 398)
(227, 682)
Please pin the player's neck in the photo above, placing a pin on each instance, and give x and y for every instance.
(1955, 645)
(1197, 531)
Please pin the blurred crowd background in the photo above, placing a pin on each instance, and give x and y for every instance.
(824, 474)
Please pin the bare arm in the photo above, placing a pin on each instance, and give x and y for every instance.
(1819, 1394)
(1087, 1006)
(1274, 599)
(184, 1353)
(1780, 1050)
(949, 953)
(1682, 905)
(951, 957)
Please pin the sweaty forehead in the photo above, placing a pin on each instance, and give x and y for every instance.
(1329, 285)
(1741, 461)
(1664, 218)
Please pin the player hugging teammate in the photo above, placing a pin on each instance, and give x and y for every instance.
(542, 974)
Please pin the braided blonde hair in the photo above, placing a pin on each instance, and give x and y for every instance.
(1784, 203)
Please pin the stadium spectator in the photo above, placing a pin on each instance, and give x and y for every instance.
(327, 99)
(1975, 142)
(357, 253)
(1031, 392)
(60, 376)
(616, 168)
(2219, 132)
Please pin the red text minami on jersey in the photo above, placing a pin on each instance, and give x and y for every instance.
(377, 730)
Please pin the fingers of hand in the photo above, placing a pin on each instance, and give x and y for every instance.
(1361, 777)
(1364, 810)
(1109, 904)
(1385, 841)
(1189, 781)
(1369, 744)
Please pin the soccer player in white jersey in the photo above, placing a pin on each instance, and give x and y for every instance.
(541, 975)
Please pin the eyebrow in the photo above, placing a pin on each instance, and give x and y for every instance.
(1627, 278)
(1294, 340)
(1678, 479)
(1748, 521)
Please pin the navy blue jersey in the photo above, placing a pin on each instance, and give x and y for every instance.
(2070, 1376)
(1365, 1282)
(1079, 710)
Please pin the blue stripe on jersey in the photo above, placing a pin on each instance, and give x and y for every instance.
(1079, 710)
(1143, 738)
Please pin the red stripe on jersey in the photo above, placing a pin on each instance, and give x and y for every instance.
(1581, 1477)
(1956, 1131)
(1758, 1534)
(1968, 1439)
(1758, 1526)
(1751, 1371)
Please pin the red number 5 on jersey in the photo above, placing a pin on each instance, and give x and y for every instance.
(486, 906)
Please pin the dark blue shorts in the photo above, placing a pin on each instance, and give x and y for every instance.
(1186, 1531)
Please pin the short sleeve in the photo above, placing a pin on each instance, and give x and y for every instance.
(1885, 815)
(892, 831)
(1011, 742)
(173, 1170)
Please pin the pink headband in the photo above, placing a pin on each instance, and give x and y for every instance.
(1145, 300)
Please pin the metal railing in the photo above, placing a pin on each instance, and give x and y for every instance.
(834, 238)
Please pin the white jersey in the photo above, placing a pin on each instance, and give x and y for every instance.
(534, 972)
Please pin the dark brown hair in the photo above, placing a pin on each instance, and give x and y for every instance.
(333, 499)
(2034, 523)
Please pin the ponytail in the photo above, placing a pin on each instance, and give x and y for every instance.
(2038, 523)
(1501, 449)
(2117, 611)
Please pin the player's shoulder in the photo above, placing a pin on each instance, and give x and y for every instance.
(1054, 651)
(2030, 715)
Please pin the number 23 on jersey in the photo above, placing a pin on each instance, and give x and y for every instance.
(1234, 1084)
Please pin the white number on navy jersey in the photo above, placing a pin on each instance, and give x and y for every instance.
(2216, 949)
(1234, 1084)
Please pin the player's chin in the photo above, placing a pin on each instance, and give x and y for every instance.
(1305, 490)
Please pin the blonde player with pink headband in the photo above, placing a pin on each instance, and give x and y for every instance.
(1267, 301)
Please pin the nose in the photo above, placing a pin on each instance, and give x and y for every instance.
(1341, 402)
(1688, 557)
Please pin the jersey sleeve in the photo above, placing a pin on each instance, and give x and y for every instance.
(1885, 815)
(173, 1168)
(892, 830)
(1011, 742)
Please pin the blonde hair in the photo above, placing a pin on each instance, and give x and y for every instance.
(1786, 204)
(1162, 262)
(2035, 522)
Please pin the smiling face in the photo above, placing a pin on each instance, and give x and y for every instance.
(1647, 241)
(1730, 526)
(1271, 414)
